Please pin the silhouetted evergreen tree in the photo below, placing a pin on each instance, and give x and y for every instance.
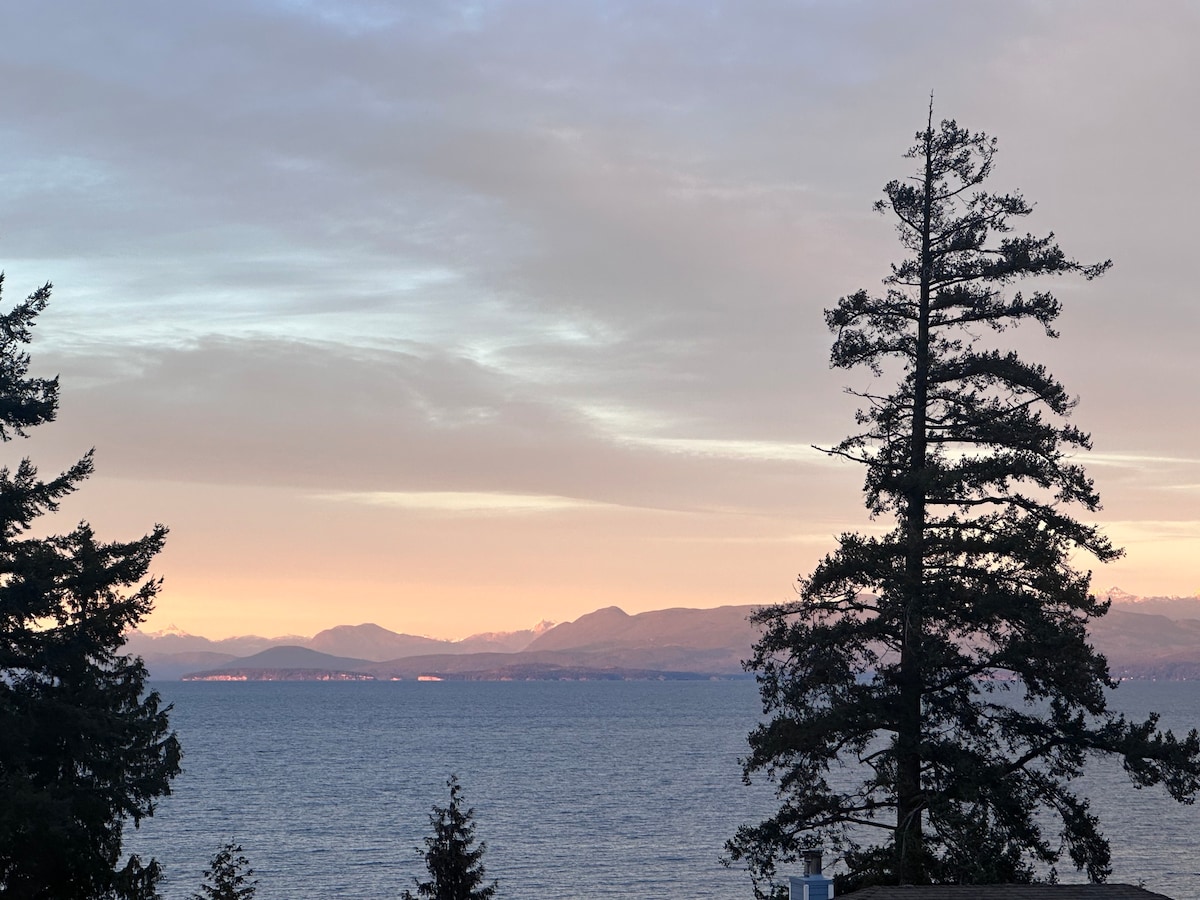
(83, 747)
(454, 862)
(947, 661)
(228, 876)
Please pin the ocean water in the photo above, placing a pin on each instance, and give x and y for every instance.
(581, 789)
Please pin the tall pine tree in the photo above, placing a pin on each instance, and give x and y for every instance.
(931, 694)
(83, 747)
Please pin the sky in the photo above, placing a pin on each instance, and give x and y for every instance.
(455, 317)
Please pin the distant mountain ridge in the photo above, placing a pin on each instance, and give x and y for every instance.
(1172, 607)
(612, 629)
(172, 653)
(1142, 637)
(369, 641)
(605, 643)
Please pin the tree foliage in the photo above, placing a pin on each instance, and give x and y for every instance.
(931, 694)
(83, 748)
(228, 876)
(454, 861)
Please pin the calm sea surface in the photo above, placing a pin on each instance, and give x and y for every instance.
(609, 789)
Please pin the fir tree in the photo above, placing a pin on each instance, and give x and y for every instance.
(83, 747)
(454, 862)
(228, 876)
(946, 663)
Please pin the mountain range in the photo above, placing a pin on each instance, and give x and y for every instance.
(1155, 637)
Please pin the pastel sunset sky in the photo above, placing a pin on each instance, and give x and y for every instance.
(457, 316)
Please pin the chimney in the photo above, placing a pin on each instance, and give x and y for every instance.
(812, 885)
(812, 862)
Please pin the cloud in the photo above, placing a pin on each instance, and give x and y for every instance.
(1140, 460)
(684, 191)
(460, 502)
(367, 422)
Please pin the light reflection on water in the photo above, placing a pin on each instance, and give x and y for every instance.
(611, 789)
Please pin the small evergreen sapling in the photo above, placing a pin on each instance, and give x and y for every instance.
(228, 876)
(454, 861)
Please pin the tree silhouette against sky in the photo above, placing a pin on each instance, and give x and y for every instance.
(947, 659)
(83, 747)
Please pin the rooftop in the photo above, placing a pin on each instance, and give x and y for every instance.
(1006, 892)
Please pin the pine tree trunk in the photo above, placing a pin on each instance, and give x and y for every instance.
(909, 801)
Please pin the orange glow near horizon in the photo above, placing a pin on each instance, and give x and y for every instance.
(450, 577)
